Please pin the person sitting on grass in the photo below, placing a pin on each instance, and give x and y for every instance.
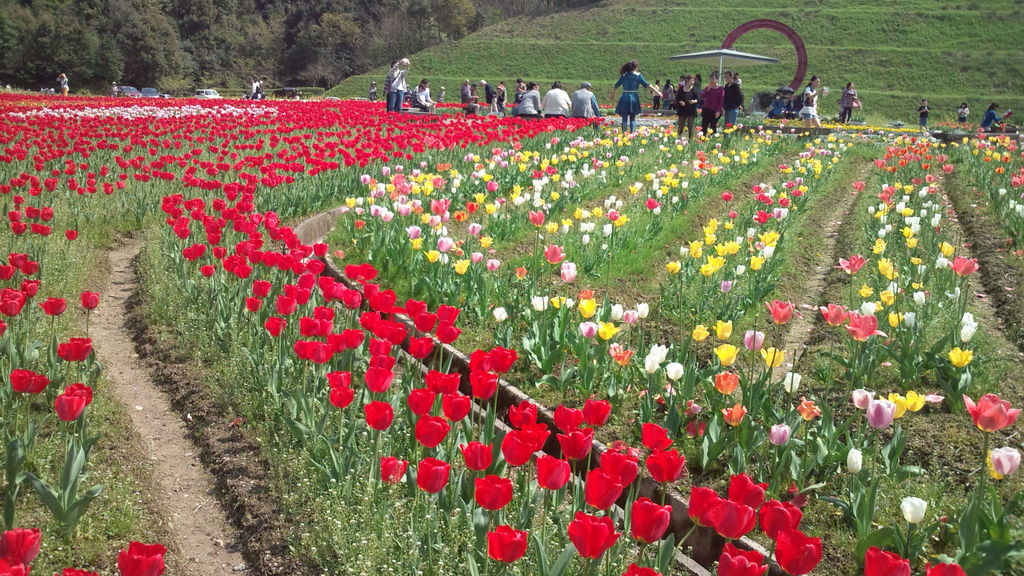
(530, 106)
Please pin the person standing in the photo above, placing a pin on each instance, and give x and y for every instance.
(809, 98)
(922, 115)
(668, 94)
(556, 102)
(584, 103)
(991, 117)
(713, 97)
(846, 103)
(373, 91)
(733, 98)
(389, 79)
(63, 81)
(628, 105)
(686, 105)
(399, 86)
(500, 96)
(962, 113)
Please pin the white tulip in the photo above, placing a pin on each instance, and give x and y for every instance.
(500, 314)
(791, 382)
(642, 310)
(913, 509)
(540, 303)
(854, 461)
(616, 314)
(674, 370)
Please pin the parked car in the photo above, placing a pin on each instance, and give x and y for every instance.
(129, 91)
(153, 93)
(206, 94)
(288, 92)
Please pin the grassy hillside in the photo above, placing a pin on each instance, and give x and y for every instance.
(895, 53)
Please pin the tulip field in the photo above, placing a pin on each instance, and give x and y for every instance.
(518, 347)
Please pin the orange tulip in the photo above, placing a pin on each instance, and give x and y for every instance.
(734, 416)
(726, 382)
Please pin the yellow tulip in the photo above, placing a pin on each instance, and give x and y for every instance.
(551, 227)
(587, 307)
(960, 358)
(673, 267)
(727, 249)
(895, 319)
(886, 268)
(621, 221)
(915, 401)
(756, 263)
(726, 354)
(865, 291)
(879, 246)
(486, 241)
(432, 256)
(461, 266)
(887, 297)
(416, 243)
(912, 243)
(555, 195)
(900, 402)
(491, 209)
(723, 330)
(696, 249)
(770, 238)
(773, 357)
(479, 197)
(947, 249)
(700, 333)
(606, 330)
(557, 301)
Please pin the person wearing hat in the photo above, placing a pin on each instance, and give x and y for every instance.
(500, 97)
(584, 103)
(373, 91)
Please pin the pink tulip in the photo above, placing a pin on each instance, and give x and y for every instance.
(725, 286)
(445, 244)
(834, 314)
(554, 254)
(853, 265)
(474, 229)
(753, 340)
(862, 397)
(493, 264)
(630, 317)
(862, 327)
(1005, 461)
(779, 434)
(781, 311)
(880, 413)
(588, 329)
(568, 272)
(964, 266)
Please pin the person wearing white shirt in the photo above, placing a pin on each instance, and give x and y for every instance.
(557, 103)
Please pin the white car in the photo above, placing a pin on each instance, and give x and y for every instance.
(206, 94)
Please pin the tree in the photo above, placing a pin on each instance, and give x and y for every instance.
(455, 18)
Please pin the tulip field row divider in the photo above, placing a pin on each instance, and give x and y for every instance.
(704, 543)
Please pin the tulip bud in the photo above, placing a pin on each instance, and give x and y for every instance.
(643, 310)
(861, 397)
(588, 329)
(854, 461)
(500, 314)
(674, 371)
(913, 509)
(791, 382)
(1005, 461)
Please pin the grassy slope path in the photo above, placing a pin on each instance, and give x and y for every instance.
(183, 489)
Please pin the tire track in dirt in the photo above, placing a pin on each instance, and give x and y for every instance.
(203, 542)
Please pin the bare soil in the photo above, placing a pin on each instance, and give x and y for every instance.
(203, 543)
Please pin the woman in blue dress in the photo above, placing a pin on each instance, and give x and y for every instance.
(628, 107)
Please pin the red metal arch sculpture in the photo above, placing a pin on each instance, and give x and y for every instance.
(798, 44)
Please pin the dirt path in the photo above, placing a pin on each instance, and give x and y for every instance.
(204, 542)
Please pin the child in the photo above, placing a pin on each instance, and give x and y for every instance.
(962, 112)
(922, 114)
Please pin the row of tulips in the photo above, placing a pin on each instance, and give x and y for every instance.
(996, 166)
(20, 546)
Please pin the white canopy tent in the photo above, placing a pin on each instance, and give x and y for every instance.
(725, 57)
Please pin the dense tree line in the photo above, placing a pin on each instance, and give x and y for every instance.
(180, 44)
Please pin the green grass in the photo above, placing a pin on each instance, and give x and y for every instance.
(896, 55)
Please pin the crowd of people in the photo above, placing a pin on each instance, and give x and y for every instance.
(720, 100)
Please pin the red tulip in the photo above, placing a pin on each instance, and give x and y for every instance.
(20, 545)
(447, 314)
(635, 570)
(493, 492)
(517, 447)
(552, 473)
(554, 254)
(602, 489)
(421, 401)
(431, 430)
(733, 520)
(456, 406)
(991, 413)
(781, 311)
(28, 382)
(478, 456)
(736, 562)
(944, 570)
(654, 437)
(797, 553)
(392, 469)
(666, 465)
(703, 502)
(649, 521)
(378, 379)
(878, 562)
(443, 383)
(141, 560)
(420, 348)
(70, 405)
(77, 572)
(75, 349)
(743, 490)
(54, 306)
(275, 326)
(568, 418)
(776, 516)
(432, 475)
(447, 333)
(90, 300)
(505, 544)
(577, 443)
(853, 265)
(862, 327)
(425, 321)
(622, 464)
(596, 412)
(592, 536)
(522, 414)
(834, 314)
(483, 384)
(379, 415)
(11, 567)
